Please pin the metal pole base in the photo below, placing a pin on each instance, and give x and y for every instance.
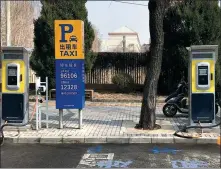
(61, 118)
(80, 118)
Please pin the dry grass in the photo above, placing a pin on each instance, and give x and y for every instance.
(119, 96)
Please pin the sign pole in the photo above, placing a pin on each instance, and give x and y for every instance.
(37, 111)
(61, 118)
(80, 118)
(47, 102)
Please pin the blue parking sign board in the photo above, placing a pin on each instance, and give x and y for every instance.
(70, 85)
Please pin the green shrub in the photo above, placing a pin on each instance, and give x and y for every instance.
(125, 82)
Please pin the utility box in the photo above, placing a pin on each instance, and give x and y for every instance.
(15, 85)
(202, 60)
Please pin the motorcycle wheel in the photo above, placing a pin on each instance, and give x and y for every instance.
(169, 110)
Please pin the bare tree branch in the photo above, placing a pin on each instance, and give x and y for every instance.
(96, 46)
(22, 16)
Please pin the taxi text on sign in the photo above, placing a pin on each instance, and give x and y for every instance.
(69, 39)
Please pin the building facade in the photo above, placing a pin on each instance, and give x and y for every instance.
(122, 40)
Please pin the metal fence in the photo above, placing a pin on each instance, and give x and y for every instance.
(107, 65)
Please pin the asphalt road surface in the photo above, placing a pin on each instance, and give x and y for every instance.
(110, 156)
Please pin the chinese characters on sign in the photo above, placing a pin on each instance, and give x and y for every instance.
(70, 84)
(68, 49)
(69, 39)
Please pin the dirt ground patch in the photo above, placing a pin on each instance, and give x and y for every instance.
(121, 96)
(118, 97)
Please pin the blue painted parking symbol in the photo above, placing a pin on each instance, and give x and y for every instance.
(189, 164)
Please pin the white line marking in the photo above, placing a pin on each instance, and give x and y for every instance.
(90, 160)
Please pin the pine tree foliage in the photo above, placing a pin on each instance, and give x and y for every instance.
(43, 57)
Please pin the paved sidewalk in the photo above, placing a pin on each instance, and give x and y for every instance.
(108, 123)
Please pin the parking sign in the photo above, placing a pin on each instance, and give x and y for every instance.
(69, 39)
(69, 58)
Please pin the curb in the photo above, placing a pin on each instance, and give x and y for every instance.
(108, 140)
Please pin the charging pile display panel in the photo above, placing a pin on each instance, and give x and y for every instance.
(203, 75)
(13, 76)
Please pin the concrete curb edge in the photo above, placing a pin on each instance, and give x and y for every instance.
(108, 140)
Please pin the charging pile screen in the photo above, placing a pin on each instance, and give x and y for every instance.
(203, 75)
(12, 75)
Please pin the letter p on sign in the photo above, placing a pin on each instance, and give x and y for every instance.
(69, 29)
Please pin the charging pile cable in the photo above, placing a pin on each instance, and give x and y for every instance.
(17, 125)
(184, 129)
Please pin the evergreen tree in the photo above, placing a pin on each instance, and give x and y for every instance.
(185, 24)
(43, 58)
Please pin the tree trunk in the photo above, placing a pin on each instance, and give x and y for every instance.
(156, 14)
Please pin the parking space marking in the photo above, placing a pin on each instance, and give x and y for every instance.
(91, 160)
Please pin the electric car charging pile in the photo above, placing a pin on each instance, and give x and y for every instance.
(177, 101)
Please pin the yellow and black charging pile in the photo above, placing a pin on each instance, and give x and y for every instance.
(202, 60)
(15, 87)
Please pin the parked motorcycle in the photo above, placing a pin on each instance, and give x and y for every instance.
(177, 101)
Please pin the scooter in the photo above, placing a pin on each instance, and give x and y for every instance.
(177, 102)
(181, 88)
